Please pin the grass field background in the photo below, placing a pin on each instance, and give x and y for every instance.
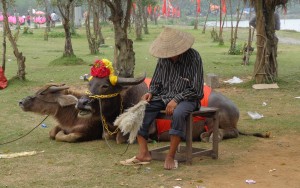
(93, 164)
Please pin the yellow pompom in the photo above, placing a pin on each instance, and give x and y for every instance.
(90, 78)
(108, 65)
(113, 79)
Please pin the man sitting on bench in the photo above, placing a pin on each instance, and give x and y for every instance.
(176, 87)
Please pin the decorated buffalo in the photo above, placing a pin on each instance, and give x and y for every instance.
(59, 102)
(113, 95)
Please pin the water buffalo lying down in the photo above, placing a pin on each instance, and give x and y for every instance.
(59, 102)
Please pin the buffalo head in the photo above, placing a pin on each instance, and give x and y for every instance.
(103, 87)
(47, 99)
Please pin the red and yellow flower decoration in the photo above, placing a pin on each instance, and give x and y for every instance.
(103, 68)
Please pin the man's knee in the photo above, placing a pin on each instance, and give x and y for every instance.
(177, 114)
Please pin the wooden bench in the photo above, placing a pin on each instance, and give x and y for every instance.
(188, 152)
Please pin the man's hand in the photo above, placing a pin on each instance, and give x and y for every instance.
(147, 97)
(170, 107)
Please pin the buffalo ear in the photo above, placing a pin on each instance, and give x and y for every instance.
(67, 100)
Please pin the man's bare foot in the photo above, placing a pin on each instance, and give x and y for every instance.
(170, 163)
(145, 157)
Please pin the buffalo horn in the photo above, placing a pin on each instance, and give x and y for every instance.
(131, 81)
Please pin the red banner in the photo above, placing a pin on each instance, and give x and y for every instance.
(156, 9)
(149, 8)
(178, 12)
(164, 7)
(174, 12)
(223, 6)
(198, 6)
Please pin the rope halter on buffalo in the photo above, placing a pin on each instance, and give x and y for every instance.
(99, 97)
(103, 68)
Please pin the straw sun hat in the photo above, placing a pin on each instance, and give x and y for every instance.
(170, 43)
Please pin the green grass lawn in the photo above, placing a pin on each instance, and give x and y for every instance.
(93, 164)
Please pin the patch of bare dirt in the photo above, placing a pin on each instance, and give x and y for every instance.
(272, 162)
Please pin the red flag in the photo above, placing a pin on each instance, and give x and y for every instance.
(155, 9)
(3, 80)
(174, 12)
(223, 6)
(149, 8)
(284, 10)
(178, 12)
(198, 6)
(134, 6)
(164, 7)
(168, 8)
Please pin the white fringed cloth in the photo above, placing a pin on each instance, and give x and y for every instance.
(131, 120)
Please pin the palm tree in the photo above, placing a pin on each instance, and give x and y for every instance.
(265, 69)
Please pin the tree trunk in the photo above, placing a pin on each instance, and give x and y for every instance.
(234, 36)
(196, 21)
(238, 19)
(145, 21)
(231, 31)
(64, 10)
(48, 17)
(72, 18)
(96, 21)
(96, 38)
(47, 28)
(20, 58)
(4, 50)
(196, 17)
(204, 26)
(124, 60)
(124, 54)
(247, 53)
(138, 20)
(48, 20)
(102, 11)
(155, 15)
(221, 28)
(265, 69)
(90, 38)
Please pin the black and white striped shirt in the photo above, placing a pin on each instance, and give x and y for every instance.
(181, 80)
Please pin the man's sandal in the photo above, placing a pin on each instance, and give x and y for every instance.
(133, 161)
